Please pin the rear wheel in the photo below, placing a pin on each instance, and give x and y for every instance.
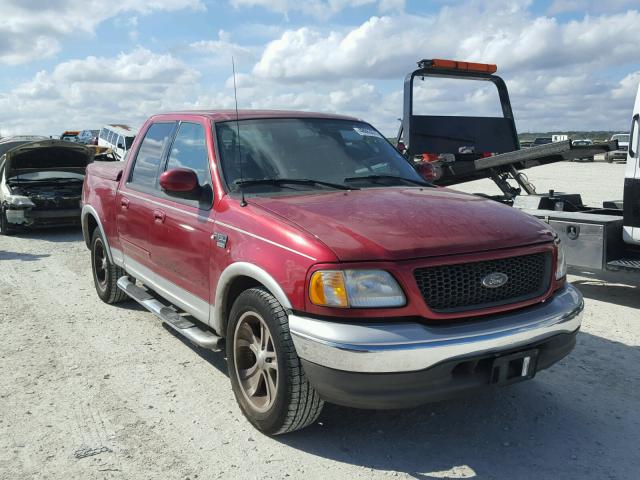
(265, 371)
(105, 273)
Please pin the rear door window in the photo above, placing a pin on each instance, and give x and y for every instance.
(189, 150)
(147, 163)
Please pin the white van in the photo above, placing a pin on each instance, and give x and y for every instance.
(118, 138)
(631, 201)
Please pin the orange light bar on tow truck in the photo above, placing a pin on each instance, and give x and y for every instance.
(456, 65)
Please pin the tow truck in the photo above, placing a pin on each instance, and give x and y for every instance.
(449, 150)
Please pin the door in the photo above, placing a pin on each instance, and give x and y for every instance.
(118, 143)
(135, 198)
(631, 203)
(180, 237)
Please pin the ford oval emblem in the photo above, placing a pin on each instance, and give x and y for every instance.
(494, 280)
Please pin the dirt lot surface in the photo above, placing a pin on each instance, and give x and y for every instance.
(92, 391)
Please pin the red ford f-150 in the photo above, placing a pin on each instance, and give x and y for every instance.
(313, 253)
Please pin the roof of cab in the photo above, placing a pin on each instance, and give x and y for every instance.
(226, 115)
(121, 129)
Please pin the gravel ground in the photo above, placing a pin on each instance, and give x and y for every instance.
(80, 377)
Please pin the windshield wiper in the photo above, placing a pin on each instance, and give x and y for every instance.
(293, 181)
(375, 178)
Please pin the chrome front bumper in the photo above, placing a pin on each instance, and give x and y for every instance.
(406, 347)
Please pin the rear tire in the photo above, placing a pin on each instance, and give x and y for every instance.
(266, 375)
(105, 273)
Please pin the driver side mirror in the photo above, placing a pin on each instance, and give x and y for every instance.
(181, 183)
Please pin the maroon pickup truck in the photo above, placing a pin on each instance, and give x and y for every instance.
(313, 253)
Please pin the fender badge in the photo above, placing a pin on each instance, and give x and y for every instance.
(221, 239)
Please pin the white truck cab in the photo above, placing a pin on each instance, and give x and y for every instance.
(631, 229)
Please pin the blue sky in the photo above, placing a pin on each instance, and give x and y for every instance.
(569, 64)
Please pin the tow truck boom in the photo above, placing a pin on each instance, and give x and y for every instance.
(449, 150)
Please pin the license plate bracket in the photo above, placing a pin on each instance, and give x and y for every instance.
(515, 367)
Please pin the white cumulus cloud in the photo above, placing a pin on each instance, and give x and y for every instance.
(316, 8)
(93, 91)
(32, 29)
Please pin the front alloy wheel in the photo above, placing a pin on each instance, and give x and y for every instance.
(265, 372)
(256, 361)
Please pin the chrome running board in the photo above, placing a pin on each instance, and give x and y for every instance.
(171, 317)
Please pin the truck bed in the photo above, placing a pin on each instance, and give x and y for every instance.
(106, 170)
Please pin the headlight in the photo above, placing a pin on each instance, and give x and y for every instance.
(561, 263)
(355, 288)
(19, 201)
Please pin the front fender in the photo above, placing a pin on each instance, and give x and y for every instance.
(242, 269)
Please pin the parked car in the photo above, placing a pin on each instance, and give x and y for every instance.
(623, 147)
(41, 183)
(70, 135)
(541, 141)
(88, 137)
(312, 251)
(584, 142)
(118, 138)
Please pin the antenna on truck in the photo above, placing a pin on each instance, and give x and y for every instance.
(243, 202)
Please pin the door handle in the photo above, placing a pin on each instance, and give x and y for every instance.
(158, 216)
(124, 203)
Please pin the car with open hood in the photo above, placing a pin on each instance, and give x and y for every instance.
(311, 251)
(41, 183)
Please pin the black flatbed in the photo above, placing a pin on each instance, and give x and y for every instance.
(543, 154)
(466, 168)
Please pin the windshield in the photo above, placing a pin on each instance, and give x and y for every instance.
(128, 141)
(48, 175)
(322, 150)
(621, 137)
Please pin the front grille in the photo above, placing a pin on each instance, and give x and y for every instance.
(456, 288)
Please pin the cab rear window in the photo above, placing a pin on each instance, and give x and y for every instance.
(147, 163)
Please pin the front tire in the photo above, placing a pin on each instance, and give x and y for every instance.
(266, 375)
(105, 273)
(5, 229)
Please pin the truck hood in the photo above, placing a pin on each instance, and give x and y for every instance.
(47, 155)
(406, 223)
